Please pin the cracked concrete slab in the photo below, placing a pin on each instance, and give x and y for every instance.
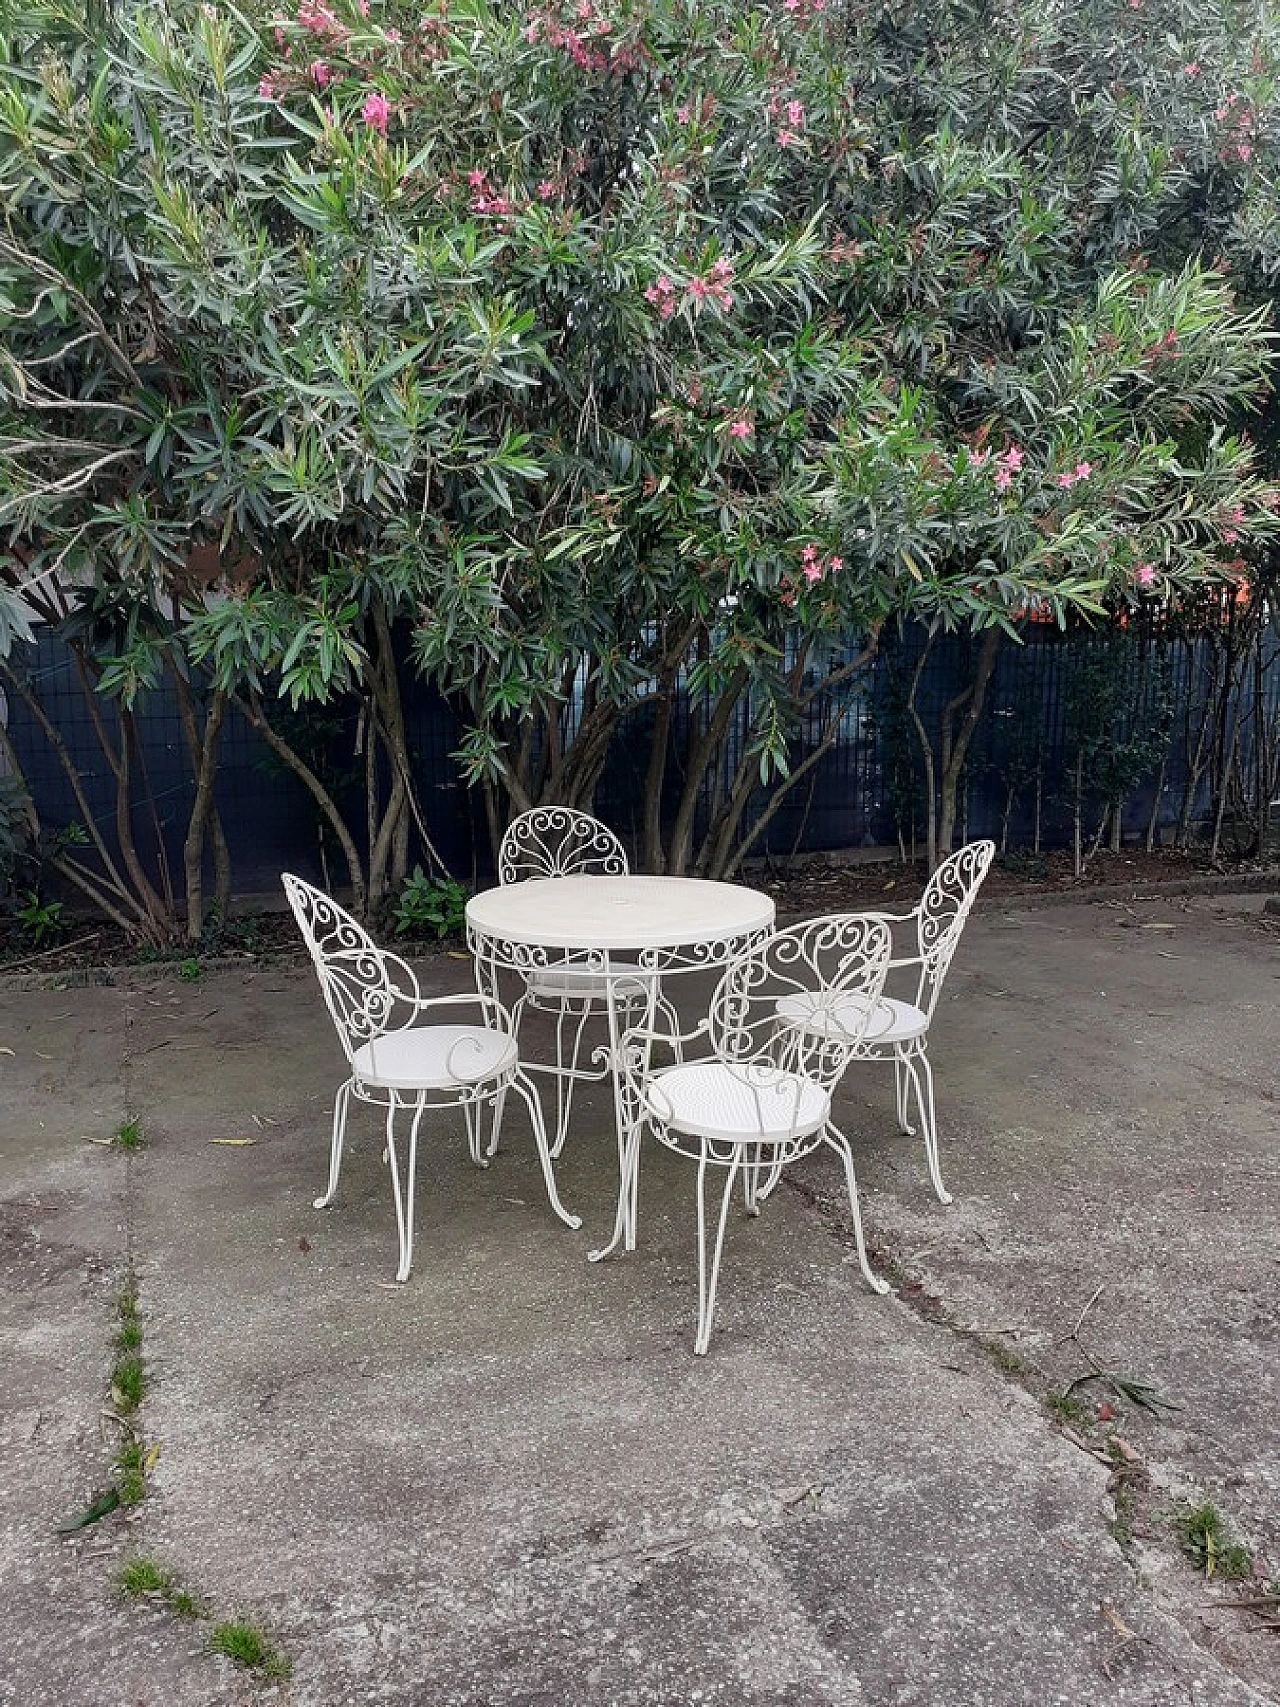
(509, 1483)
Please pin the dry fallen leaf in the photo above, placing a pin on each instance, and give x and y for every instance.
(1117, 1623)
(235, 1143)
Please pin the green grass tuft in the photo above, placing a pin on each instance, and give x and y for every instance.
(129, 1135)
(143, 1576)
(247, 1646)
(1067, 1408)
(1203, 1535)
(128, 1383)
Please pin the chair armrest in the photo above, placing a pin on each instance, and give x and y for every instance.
(645, 1034)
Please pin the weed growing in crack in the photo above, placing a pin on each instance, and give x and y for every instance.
(244, 1643)
(1008, 1360)
(128, 1135)
(1069, 1409)
(144, 1578)
(1202, 1533)
(131, 1474)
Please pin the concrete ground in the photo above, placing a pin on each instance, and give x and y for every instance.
(509, 1482)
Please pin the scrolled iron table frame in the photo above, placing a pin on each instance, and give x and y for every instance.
(665, 926)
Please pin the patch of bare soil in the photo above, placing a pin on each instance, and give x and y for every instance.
(833, 885)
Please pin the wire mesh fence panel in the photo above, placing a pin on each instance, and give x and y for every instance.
(1045, 751)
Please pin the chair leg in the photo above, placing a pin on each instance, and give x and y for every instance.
(340, 1105)
(900, 1095)
(404, 1200)
(566, 1081)
(526, 1090)
(517, 1015)
(707, 1281)
(840, 1144)
(499, 1103)
(471, 1114)
(752, 1168)
(922, 1083)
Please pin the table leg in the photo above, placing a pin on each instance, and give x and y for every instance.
(628, 1131)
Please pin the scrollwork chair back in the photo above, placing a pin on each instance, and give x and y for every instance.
(556, 841)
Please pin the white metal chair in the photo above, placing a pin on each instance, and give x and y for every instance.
(557, 841)
(763, 1096)
(396, 1061)
(898, 1031)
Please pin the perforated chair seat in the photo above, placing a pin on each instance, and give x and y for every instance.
(709, 1099)
(891, 1021)
(434, 1057)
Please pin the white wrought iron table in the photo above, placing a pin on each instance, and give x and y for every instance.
(662, 926)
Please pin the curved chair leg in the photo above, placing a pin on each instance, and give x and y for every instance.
(517, 1014)
(922, 1081)
(707, 1282)
(340, 1105)
(900, 1095)
(499, 1103)
(752, 1168)
(840, 1144)
(525, 1089)
(404, 1200)
(765, 1192)
(566, 1081)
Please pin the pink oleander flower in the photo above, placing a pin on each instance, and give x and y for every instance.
(786, 138)
(684, 115)
(795, 113)
(721, 271)
(812, 572)
(1066, 481)
(1244, 151)
(662, 294)
(376, 112)
(1144, 574)
(809, 555)
(835, 564)
(738, 427)
(1012, 458)
(477, 179)
(279, 35)
(1229, 536)
(1083, 470)
(267, 87)
(394, 37)
(1002, 479)
(698, 289)
(1192, 69)
(546, 189)
(320, 73)
(531, 31)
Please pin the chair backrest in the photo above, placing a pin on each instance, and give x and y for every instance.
(367, 991)
(834, 966)
(556, 841)
(940, 918)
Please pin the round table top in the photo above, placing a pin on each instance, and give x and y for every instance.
(618, 912)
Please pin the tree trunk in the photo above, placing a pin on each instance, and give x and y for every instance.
(704, 748)
(253, 712)
(201, 815)
(956, 741)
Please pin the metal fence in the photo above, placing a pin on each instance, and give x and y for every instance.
(866, 791)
